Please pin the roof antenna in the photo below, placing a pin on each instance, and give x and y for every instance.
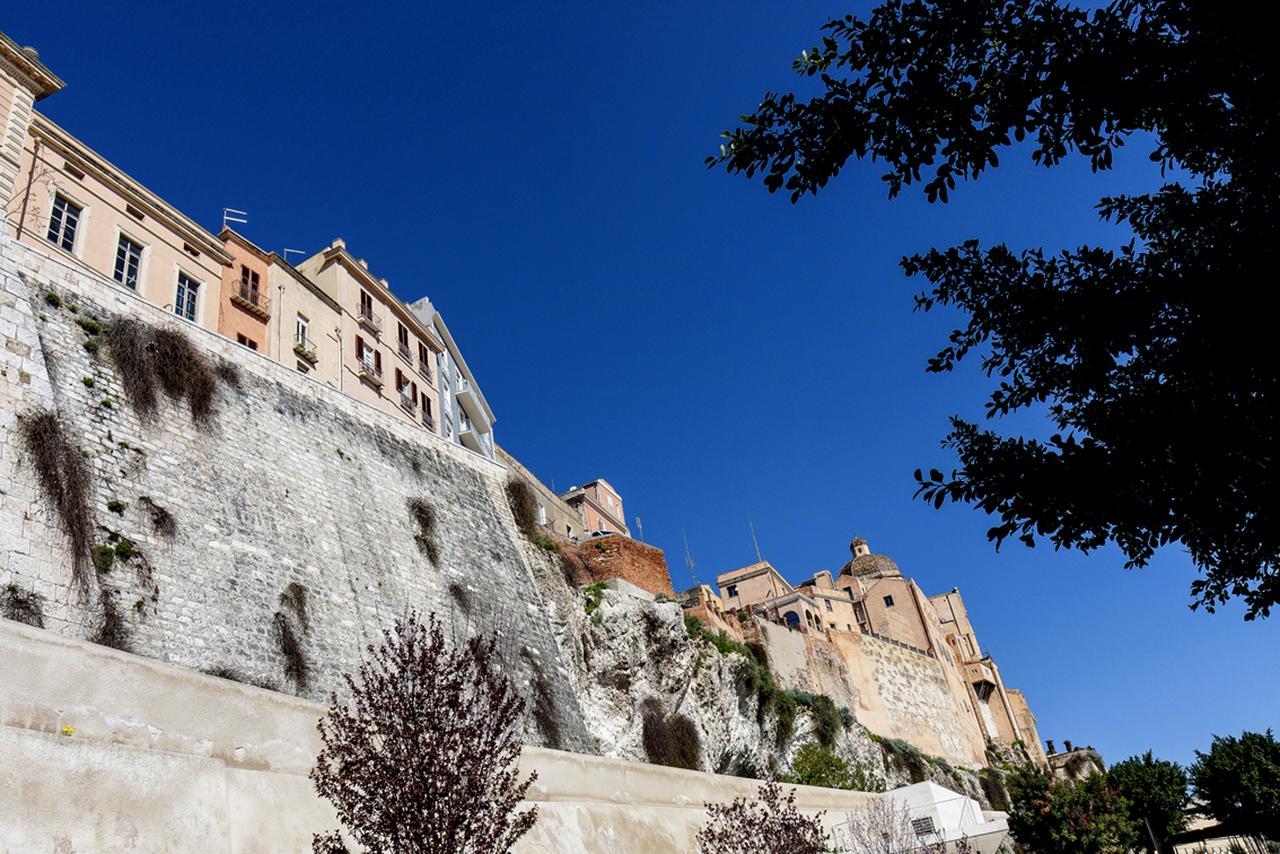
(240, 216)
(640, 525)
(285, 253)
(755, 542)
(688, 556)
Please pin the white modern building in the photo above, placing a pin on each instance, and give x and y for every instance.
(465, 416)
(938, 815)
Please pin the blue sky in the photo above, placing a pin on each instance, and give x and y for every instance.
(717, 353)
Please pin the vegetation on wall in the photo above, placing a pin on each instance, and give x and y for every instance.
(162, 521)
(65, 478)
(233, 675)
(151, 360)
(22, 606)
(816, 765)
(767, 823)
(524, 506)
(112, 630)
(422, 757)
(293, 612)
(424, 516)
(670, 740)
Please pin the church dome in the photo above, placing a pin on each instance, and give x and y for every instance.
(871, 566)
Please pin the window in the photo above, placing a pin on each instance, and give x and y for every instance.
(732, 591)
(542, 515)
(184, 302)
(128, 260)
(300, 328)
(366, 304)
(64, 220)
(426, 405)
(246, 342)
(402, 335)
(888, 601)
(424, 360)
(923, 826)
(249, 283)
(828, 601)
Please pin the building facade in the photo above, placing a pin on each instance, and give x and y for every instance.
(465, 416)
(600, 506)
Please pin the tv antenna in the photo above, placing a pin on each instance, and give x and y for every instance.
(754, 541)
(285, 253)
(640, 526)
(688, 556)
(233, 215)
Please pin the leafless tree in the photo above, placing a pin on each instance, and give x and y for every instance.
(422, 758)
(769, 825)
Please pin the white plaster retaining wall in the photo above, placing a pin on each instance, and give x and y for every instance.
(163, 759)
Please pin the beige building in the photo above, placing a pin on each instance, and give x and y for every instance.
(553, 513)
(600, 506)
(387, 354)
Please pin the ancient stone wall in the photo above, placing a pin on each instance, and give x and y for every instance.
(290, 510)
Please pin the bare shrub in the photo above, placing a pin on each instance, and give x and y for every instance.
(148, 358)
(424, 515)
(112, 629)
(769, 825)
(65, 478)
(884, 827)
(524, 506)
(422, 758)
(162, 521)
(670, 740)
(22, 606)
(293, 599)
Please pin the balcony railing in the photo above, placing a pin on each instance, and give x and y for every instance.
(407, 403)
(370, 372)
(305, 348)
(251, 299)
(424, 368)
(369, 320)
(428, 422)
(406, 352)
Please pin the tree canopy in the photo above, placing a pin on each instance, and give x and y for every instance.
(1086, 816)
(1154, 361)
(1156, 790)
(1238, 781)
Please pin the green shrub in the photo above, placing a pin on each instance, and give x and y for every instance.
(52, 299)
(815, 765)
(593, 595)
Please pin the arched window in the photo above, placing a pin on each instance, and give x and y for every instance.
(793, 619)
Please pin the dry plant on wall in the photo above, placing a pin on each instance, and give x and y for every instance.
(524, 506)
(424, 516)
(162, 521)
(422, 758)
(22, 606)
(293, 601)
(152, 359)
(64, 475)
(670, 740)
(770, 824)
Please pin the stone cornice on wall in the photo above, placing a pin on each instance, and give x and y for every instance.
(28, 69)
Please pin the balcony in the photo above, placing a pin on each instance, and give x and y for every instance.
(407, 403)
(428, 422)
(469, 400)
(424, 368)
(405, 352)
(369, 372)
(252, 300)
(306, 349)
(369, 320)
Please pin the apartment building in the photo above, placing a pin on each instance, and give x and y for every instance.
(267, 305)
(465, 416)
(600, 506)
(388, 355)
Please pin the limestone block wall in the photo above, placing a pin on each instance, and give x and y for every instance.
(292, 485)
(161, 759)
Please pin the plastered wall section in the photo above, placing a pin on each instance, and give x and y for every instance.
(292, 483)
(162, 759)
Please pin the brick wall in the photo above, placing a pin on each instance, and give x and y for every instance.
(622, 557)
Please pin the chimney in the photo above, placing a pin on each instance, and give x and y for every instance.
(338, 243)
(1052, 750)
(364, 264)
(1068, 744)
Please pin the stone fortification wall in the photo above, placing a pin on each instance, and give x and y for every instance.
(289, 510)
(231, 761)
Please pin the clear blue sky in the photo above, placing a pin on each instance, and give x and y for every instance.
(715, 352)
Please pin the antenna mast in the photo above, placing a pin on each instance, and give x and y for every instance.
(239, 216)
(688, 556)
(754, 541)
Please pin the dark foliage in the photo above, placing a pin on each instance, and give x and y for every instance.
(294, 598)
(460, 595)
(66, 480)
(544, 704)
(770, 825)
(150, 358)
(1082, 816)
(1153, 360)
(422, 759)
(296, 669)
(424, 516)
(112, 630)
(670, 740)
(1157, 794)
(22, 606)
(524, 506)
(162, 521)
(229, 373)
(993, 789)
(1239, 782)
(815, 765)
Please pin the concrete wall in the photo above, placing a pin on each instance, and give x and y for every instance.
(292, 483)
(161, 759)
